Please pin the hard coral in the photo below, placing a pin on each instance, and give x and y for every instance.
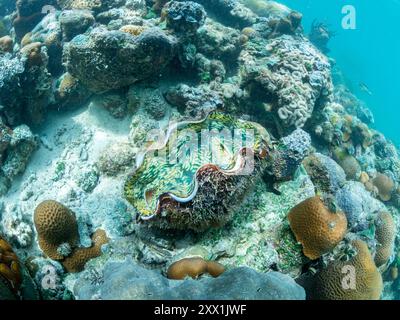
(79, 257)
(316, 228)
(385, 235)
(10, 272)
(56, 225)
(385, 186)
(6, 44)
(194, 267)
(327, 284)
(58, 236)
(185, 17)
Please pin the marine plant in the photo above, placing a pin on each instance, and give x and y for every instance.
(194, 185)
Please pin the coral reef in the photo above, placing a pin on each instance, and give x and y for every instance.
(203, 149)
(317, 229)
(290, 74)
(101, 60)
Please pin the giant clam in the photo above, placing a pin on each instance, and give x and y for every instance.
(197, 172)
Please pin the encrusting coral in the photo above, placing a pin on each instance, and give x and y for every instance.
(316, 228)
(385, 235)
(59, 238)
(194, 267)
(330, 283)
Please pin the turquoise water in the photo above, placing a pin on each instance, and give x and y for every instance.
(369, 54)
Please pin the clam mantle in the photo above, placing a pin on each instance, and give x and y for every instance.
(197, 172)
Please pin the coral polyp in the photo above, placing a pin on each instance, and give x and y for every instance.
(199, 163)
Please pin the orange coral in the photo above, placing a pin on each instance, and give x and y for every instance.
(385, 235)
(77, 260)
(10, 272)
(194, 267)
(132, 29)
(331, 283)
(385, 186)
(316, 228)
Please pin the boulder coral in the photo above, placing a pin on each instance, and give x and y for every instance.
(385, 186)
(316, 228)
(58, 236)
(328, 283)
(385, 234)
(194, 267)
(104, 60)
(186, 16)
(289, 74)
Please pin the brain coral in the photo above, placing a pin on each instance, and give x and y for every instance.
(56, 225)
(192, 185)
(385, 186)
(385, 235)
(316, 228)
(194, 267)
(328, 283)
(58, 236)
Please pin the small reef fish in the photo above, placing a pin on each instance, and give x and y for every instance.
(365, 88)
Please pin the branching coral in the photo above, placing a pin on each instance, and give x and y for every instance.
(194, 267)
(331, 282)
(316, 228)
(385, 235)
(59, 238)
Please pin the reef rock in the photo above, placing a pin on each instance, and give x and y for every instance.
(104, 60)
(289, 74)
(127, 280)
